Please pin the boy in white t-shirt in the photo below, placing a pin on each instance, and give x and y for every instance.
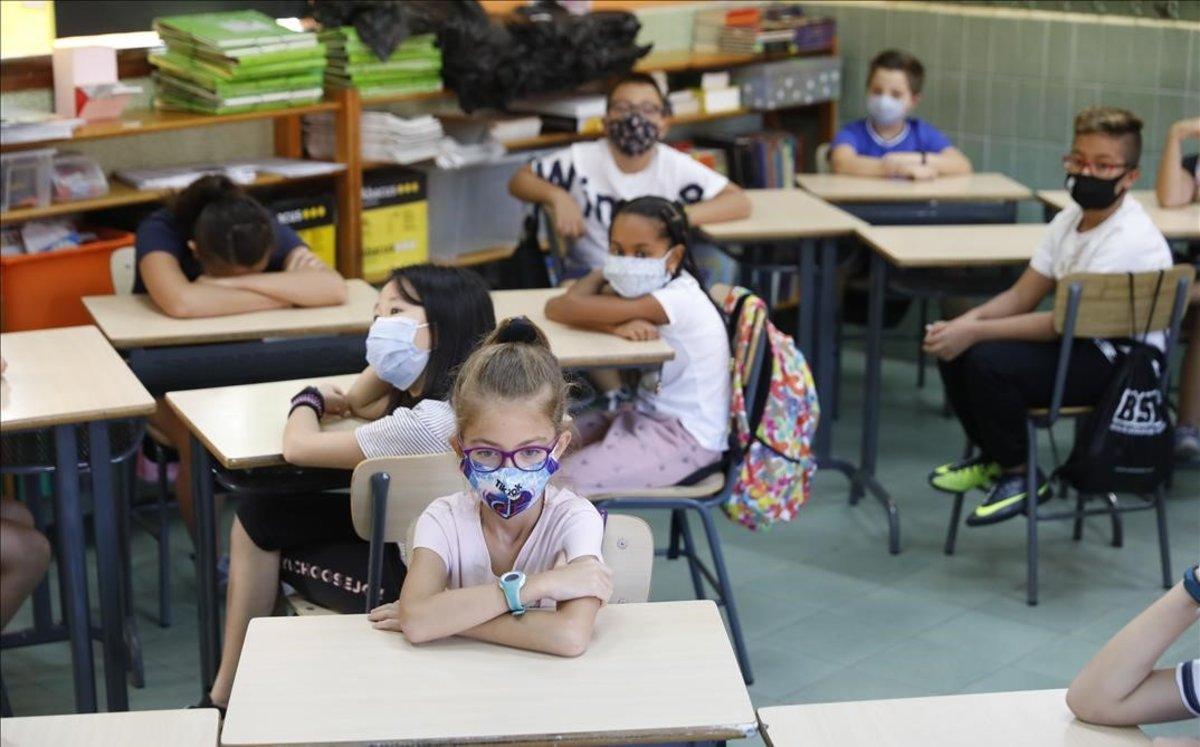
(998, 359)
(584, 182)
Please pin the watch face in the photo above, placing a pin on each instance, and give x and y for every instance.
(510, 577)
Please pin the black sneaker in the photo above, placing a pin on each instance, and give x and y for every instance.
(1006, 499)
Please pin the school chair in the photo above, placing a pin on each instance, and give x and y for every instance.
(1097, 305)
(703, 492)
(556, 245)
(821, 158)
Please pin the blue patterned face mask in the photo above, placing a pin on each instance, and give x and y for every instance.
(508, 491)
(393, 352)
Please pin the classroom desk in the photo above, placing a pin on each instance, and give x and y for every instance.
(972, 198)
(926, 247)
(189, 727)
(574, 347)
(134, 321)
(1176, 224)
(1034, 717)
(813, 227)
(241, 427)
(655, 672)
(60, 379)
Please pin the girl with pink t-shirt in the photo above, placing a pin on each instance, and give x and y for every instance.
(481, 558)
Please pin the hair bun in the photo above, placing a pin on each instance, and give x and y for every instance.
(518, 329)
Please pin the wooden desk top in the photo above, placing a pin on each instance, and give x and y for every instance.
(784, 214)
(1035, 717)
(954, 246)
(135, 322)
(189, 727)
(661, 672)
(969, 188)
(66, 375)
(578, 347)
(1175, 223)
(242, 426)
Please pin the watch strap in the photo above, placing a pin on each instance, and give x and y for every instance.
(1191, 584)
(512, 593)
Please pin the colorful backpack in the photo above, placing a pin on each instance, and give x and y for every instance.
(772, 434)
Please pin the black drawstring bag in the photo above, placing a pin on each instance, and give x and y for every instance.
(1124, 445)
(526, 267)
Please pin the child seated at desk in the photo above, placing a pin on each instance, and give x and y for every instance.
(583, 183)
(649, 287)
(512, 542)
(999, 359)
(1179, 184)
(888, 142)
(428, 320)
(217, 251)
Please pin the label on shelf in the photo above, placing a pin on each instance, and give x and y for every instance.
(395, 221)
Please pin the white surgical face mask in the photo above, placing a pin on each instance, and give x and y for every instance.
(393, 352)
(635, 276)
(884, 109)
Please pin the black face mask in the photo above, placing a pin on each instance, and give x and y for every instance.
(1093, 193)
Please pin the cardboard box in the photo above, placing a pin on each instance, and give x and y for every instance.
(395, 221)
(314, 220)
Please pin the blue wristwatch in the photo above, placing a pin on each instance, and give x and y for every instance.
(510, 584)
(1191, 582)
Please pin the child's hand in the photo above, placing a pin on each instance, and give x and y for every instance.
(948, 340)
(302, 258)
(1186, 128)
(568, 218)
(920, 171)
(583, 578)
(336, 402)
(386, 617)
(637, 329)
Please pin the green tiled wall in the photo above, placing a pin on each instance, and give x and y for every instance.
(1005, 86)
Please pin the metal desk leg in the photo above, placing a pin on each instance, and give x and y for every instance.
(805, 310)
(108, 563)
(826, 313)
(206, 563)
(71, 551)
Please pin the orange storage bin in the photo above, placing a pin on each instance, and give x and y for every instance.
(47, 289)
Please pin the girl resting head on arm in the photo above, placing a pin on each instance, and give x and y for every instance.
(511, 542)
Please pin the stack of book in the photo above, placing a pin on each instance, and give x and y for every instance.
(780, 28)
(220, 63)
(414, 67)
(759, 160)
(583, 114)
(385, 137)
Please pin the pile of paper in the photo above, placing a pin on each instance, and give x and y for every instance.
(219, 63)
(241, 172)
(414, 67)
(385, 137)
(19, 126)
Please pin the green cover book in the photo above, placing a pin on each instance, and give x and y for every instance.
(231, 30)
(203, 71)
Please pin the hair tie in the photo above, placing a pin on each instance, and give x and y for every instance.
(517, 329)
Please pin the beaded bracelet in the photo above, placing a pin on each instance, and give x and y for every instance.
(311, 397)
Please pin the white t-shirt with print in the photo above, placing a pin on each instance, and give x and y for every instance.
(1127, 241)
(693, 386)
(588, 172)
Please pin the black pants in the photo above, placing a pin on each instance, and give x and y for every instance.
(322, 556)
(993, 384)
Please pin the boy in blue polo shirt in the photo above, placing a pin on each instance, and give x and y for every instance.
(889, 142)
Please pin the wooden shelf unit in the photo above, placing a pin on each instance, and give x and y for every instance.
(347, 106)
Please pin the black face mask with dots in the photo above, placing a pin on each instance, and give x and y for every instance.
(633, 135)
(1092, 192)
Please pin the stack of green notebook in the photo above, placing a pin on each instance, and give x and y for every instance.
(220, 63)
(415, 66)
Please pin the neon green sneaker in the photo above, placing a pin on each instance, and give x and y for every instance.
(965, 475)
(1007, 499)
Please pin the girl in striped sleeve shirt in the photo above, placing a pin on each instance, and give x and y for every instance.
(427, 321)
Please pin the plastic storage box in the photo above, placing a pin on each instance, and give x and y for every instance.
(46, 290)
(787, 83)
(77, 177)
(25, 178)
